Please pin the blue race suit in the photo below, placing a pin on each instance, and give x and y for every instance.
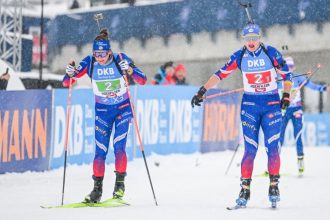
(112, 107)
(260, 104)
(295, 111)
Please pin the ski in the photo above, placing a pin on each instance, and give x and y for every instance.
(236, 207)
(300, 173)
(266, 174)
(106, 204)
(240, 204)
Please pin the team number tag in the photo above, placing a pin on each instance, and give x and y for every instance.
(108, 86)
(259, 81)
(259, 78)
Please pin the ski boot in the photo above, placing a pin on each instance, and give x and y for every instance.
(301, 166)
(119, 189)
(274, 192)
(244, 194)
(96, 194)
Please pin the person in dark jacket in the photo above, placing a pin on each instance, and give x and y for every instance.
(4, 80)
(164, 76)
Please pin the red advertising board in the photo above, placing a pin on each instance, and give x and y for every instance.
(36, 49)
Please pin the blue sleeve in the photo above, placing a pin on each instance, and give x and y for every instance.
(311, 85)
(82, 69)
(279, 63)
(232, 64)
(85, 64)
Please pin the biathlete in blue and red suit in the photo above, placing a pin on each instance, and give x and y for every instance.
(295, 110)
(112, 108)
(261, 104)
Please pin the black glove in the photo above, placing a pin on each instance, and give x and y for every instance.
(198, 98)
(285, 101)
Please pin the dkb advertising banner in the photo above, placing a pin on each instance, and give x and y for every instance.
(316, 131)
(25, 130)
(81, 127)
(167, 122)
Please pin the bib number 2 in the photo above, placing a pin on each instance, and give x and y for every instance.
(258, 78)
(108, 86)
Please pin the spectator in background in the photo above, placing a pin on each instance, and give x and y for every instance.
(4, 80)
(75, 4)
(179, 75)
(164, 76)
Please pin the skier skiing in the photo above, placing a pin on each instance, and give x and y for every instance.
(295, 111)
(261, 105)
(112, 107)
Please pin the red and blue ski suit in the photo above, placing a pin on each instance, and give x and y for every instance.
(112, 107)
(260, 105)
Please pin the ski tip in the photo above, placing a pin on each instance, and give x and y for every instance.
(50, 207)
(72, 205)
(236, 207)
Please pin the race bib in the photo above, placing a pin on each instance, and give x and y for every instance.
(259, 82)
(258, 78)
(109, 88)
(108, 85)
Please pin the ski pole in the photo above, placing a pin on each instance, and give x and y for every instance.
(318, 66)
(138, 134)
(223, 93)
(139, 138)
(232, 159)
(67, 134)
(241, 89)
(304, 74)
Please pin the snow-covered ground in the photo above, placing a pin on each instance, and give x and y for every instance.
(187, 187)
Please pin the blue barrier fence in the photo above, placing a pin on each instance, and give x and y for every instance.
(190, 16)
(32, 126)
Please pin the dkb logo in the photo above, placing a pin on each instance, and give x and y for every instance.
(256, 63)
(105, 71)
